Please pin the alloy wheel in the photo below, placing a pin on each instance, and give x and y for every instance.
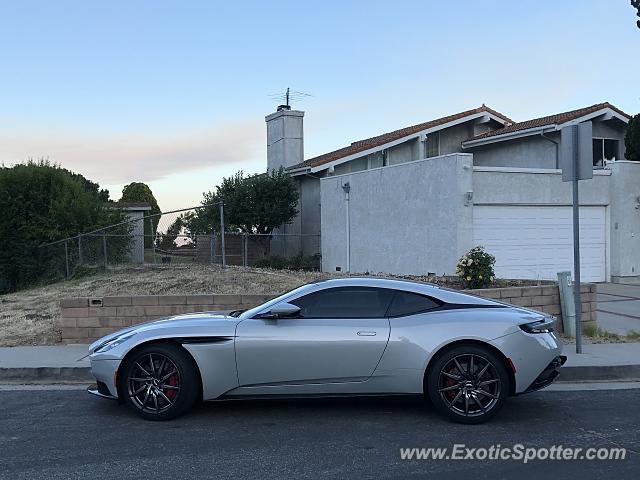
(469, 384)
(154, 383)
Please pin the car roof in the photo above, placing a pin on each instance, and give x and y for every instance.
(398, 283)
(443, 294)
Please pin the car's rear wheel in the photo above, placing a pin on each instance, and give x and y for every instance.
(468, 383)
(159, 381)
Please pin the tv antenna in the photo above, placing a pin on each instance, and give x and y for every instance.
(289, 96)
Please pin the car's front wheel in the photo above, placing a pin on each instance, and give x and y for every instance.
(159, 381)
(468, 383)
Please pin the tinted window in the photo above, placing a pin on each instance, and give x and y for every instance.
(407, 303)
(345, 302)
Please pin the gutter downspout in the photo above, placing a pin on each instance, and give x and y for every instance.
(556, 143)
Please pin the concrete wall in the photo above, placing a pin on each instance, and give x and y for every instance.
(527, 152)
(500, 186)
(625, 221)
(408, 218)
(452, 138)
(84, 320)
(302, 235)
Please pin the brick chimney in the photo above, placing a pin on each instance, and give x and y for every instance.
(285, 146)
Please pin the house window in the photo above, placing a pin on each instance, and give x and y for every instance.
(432, 145)
(604, 149)
(359, 164)
(376, 160)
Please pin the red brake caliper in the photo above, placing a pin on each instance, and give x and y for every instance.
(173, 380)
(450, 382)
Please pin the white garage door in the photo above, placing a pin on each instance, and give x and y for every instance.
(535, 242)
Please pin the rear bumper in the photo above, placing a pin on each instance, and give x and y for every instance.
(548, 375)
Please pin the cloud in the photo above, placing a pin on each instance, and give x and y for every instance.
(113, 159)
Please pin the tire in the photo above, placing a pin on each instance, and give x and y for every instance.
(467, 383)
(159, 381)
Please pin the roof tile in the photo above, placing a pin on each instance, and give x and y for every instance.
(550, 120)
(361, 145)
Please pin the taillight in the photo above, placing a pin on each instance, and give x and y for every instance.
(539, 326)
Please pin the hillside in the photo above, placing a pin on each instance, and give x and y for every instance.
(27, 317)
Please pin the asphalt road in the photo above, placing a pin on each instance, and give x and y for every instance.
(68, 434)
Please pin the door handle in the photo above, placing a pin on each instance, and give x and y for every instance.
(366, 334)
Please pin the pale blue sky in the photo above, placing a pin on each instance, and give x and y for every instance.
(175, 93)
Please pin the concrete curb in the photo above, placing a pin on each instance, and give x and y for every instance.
(589, 373)
(83, 374)
(46, 374)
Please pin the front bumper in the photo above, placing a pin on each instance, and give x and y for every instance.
(101, 390)
(548, 375)
(104, 372)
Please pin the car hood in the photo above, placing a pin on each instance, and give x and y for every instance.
(200, 325)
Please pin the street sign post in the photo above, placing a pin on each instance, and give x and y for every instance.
(576, 161)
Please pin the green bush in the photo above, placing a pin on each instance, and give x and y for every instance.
(475, 268)
(42, 203)
(299, 262)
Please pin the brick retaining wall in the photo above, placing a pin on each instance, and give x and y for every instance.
(545, 299)
(86, 319)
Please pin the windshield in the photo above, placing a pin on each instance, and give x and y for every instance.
(292, 293)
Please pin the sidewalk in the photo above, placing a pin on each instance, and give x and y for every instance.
(601, 361)
(598, 362)
(44, 364)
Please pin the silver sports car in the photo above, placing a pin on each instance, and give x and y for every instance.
(352, 336)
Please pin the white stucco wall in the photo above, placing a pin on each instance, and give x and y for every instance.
(409, 218)
(625, 221)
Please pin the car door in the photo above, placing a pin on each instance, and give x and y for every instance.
(339, 335)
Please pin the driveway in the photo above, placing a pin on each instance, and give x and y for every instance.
(619, 308)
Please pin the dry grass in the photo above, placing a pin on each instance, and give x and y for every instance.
(27, 317)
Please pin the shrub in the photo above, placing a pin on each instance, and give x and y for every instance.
(299, 262)
(475, 268)
(42, 203)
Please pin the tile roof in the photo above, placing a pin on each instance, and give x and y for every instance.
(362, 145)
(550, 120)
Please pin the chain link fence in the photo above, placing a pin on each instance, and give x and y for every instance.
(163, 239)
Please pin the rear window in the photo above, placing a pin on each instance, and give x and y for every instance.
(407, 303)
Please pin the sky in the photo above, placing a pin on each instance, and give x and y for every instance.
(174, 94)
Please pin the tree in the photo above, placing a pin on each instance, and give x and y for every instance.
(636, 4)
(166, 241)
(42, 203)
(140, 192)
(632, 139)
(254, 204)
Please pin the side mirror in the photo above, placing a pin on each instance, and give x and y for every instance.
(281, 310)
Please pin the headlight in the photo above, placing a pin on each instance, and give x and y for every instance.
(539, 326)
(114, 342)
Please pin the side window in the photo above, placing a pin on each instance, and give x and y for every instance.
(407, 303)
(345, 302)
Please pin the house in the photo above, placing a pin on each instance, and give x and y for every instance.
(413, 200)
